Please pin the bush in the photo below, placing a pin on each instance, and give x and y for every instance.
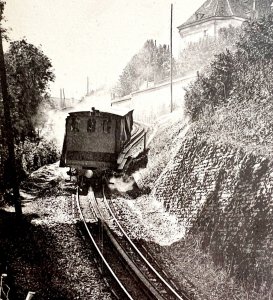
(30, 156)
(151, 63)
(35, 155)
(236, 77)
(246, 125)
(198, 55)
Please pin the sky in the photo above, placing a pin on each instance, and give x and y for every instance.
(93, 38)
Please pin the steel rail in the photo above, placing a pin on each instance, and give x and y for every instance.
(139, 274)
(98, 250)
(141, 255)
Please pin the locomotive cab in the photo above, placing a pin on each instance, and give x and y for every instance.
(94, 139)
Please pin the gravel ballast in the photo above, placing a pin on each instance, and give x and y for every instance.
(45, 252)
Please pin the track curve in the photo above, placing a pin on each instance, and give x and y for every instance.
(146, 282)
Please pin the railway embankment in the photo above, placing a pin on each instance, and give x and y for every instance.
(209, 213)
(218, 184)
(224, 196)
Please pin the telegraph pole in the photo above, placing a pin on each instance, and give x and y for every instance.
(61, 98)
(8, 129)
(171, 56)
(87, 87)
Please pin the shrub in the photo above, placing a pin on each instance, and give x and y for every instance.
(236, 77)
(35, 155)
(30, 156)
(199, 54)
(246, 125)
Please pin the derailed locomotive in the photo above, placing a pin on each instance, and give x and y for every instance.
(99, 139)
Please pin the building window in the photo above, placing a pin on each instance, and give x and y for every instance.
(75, 122)
(91, 125)
(205, 33)
(106, 126)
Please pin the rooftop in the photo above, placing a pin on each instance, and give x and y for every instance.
(108, 110)
(229, 8)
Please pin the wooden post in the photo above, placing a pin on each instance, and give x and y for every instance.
(171, 56)
(8, 129)
(145, 140)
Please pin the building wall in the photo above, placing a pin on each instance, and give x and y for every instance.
(198, 31)
(151, 103)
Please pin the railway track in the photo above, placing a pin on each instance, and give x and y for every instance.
(133, 274)
(155, 267)
(112, 262)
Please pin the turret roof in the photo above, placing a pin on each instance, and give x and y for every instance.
(229, 8)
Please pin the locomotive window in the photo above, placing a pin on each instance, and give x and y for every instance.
(106, 126)
(91, 125)
(75, 125)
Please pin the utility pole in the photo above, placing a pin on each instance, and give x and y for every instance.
(8, 126)
(63, 99)
(87, 87)
(254, 11)
(171, 56)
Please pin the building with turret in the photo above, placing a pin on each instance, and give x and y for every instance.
(216, 14)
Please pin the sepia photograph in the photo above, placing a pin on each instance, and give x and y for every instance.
(135, 150)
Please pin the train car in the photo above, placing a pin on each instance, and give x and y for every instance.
(95, 139)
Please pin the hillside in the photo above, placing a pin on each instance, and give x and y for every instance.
(207, 220)
(207, 217)
(210, 206)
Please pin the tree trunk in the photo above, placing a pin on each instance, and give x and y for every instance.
(9, 131)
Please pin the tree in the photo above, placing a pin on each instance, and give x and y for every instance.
(129, 78)
(25, 74)
(241, 76)
(8, 123)
(198, 55)
(257, 39)
(151, 63)
(29, 72)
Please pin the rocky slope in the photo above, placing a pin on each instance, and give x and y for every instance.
(210, 212)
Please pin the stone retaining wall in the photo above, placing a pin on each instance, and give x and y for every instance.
(224, 195)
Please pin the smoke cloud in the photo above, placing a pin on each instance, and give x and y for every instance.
(121, 184)
(53, 128)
